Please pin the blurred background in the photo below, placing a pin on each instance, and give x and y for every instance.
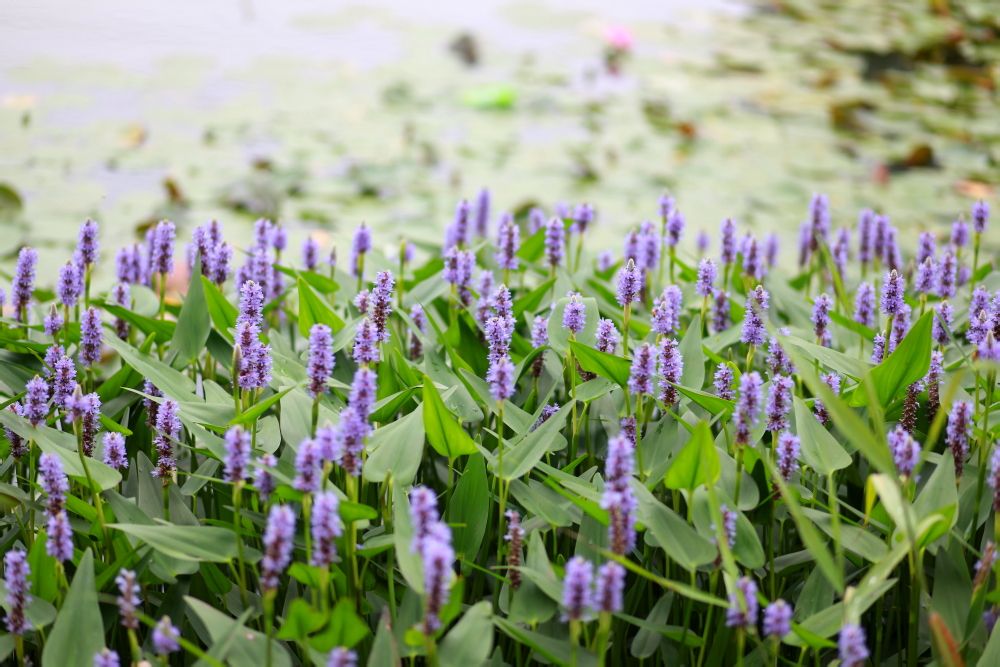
(326, 114)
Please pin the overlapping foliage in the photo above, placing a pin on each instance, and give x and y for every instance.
(509, 452)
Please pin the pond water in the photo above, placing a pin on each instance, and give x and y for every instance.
(329, 115)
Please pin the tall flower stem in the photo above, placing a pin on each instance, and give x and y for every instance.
(501, 487)
(352, 538)
(626, 317)
(237, 521)
(571, 371)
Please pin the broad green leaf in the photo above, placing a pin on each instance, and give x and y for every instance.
(444, 432)
(907, 364)
(222, 312)
(468, 509)
(672, 533)
(606, 365)
(694, 357)
(63, 445)
(78, 632)
(248, 649)
(170, 381)
(406, 559)
(710, 402)
(196, 543)
(833, 359)
(313, 309)
(559, 651)
(194, 322)
(522, 454)
(345, 628)
(259, 409)
(696, 464)
(471, 640)
(384, 652)
(396, 448)
(820, 450)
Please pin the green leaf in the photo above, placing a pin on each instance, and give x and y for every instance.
(194, 322)
(820, 450)
(384, 651)
(606, 365)
(259, 409)
(248, 648)
(345, 628)
(559, 335)
(710, 402)
(468, 509)
(696, 464)
(170, 381)
(408, 561)
(396, 448)
(444, 431)
(222, 312)
(810, 537)
(907, 364)
(533, 299)
(673, 534)
(559, 651)
(471, 640)
(78, 632)
(301, 620)
(693, 355)
(64, 446)
(313, 309)
(522, 454)
(195, 543)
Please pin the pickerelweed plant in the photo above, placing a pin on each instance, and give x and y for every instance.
(508, 450)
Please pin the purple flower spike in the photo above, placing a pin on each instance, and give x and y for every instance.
(707, 272)
(168, 429)
(308, 467)
(342, 657)
(161, 257)
(237, 455)
(925, 277)
(575, 314)
(128, 598)
(640, 379)
(360, 245)
(610, 594)
(754, 332)
(649, 247)
(866, 229)
(483, 213)
(165, 636)
(310, 253)
(90, 337)
(365, 347)
(851, 644)
(16, 571)
(831, 380)
(52, 478)
(70, 284)
(352, 431)
(720, 311)
(821, 318)
(59, 539)
(501, 378)
(748, 406)
(63, 381)
(959, 432)
(728, 241)
(947, 277)
(554, 238)
(618, 497)
(980, 216)
(508, 243)
(23, 284)
(788, 449)
(419, 318)
(326, 528)
(438, 559)
(278, 536)
(777, 619)
(363, 388)
(115, 455)
(577, 589)
(87, 245)
(106, 658)
(753, 264)
(892, 293)
(321, 359)
(263, 479)
(723, 382)
(959, 234)
(675, 228)
(34, 406)
(629, 284)
(905, 451)
(607, 336)
(743, 605)
(251, 304)
(926, 247)
(667, 311)
(381, 304)
(583, 216)
(779, 403)
(805, 244)
(671, 369)
(457, 234)
(878, 349)
(777, 359)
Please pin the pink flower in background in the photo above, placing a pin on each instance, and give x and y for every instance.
(618, 37)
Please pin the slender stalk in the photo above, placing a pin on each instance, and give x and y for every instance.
(626, 317)
(237, 521)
